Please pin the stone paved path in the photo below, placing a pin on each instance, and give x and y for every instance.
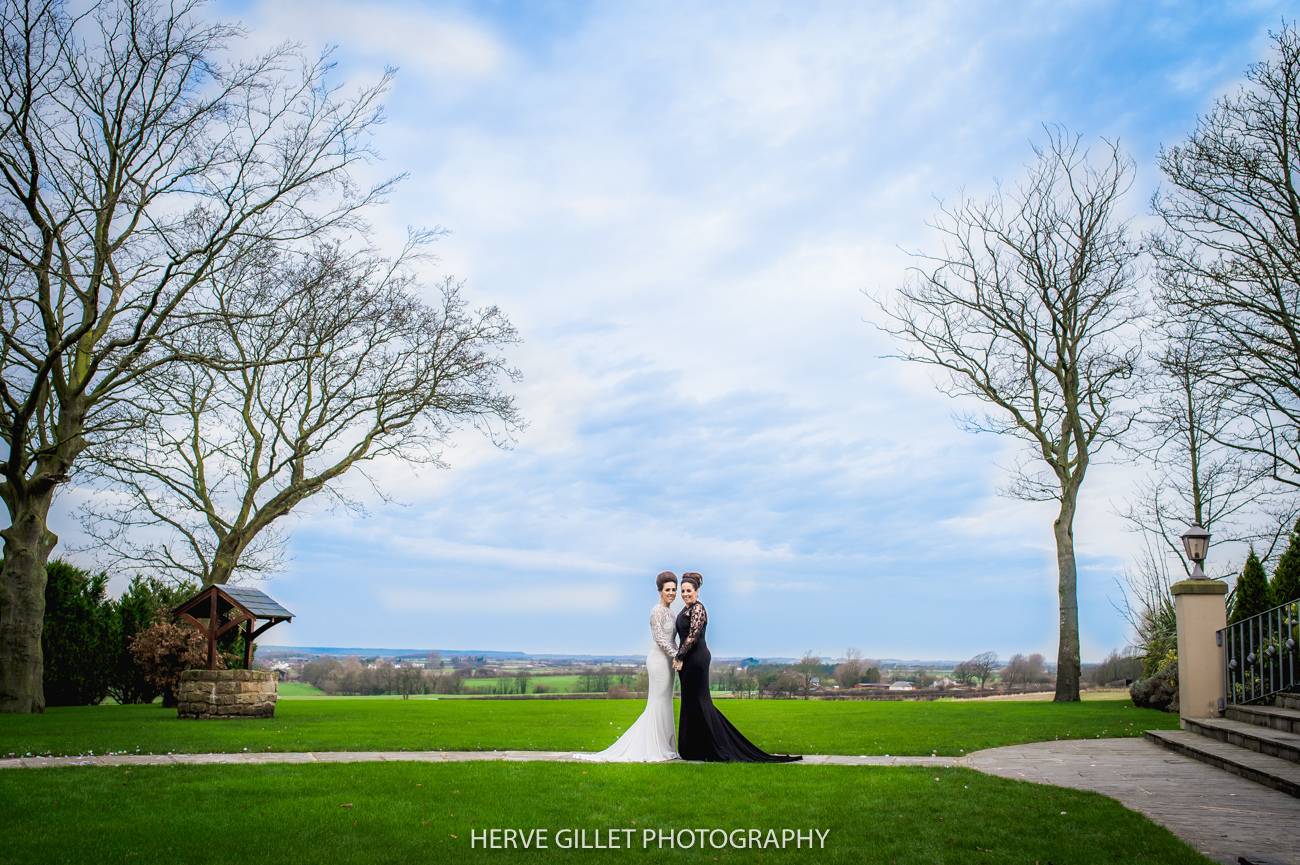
(253, 759)
(1219, 814)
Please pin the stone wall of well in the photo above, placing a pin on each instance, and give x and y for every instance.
(205, 694)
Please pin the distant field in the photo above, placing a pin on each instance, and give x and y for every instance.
(361, 724)
(298, 689)
(556, 684)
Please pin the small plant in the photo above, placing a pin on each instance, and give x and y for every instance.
(165, 650)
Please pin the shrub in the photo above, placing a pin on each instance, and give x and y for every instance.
(135, 610)
(1285, 586)
(78, 636)
(165, 649)
(1251, 591)
(618, 692)
(1160, 690)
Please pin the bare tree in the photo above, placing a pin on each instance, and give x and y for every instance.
(963, 672)
(1032, 309)
(133, 163)
(849, 673)
(1023, 671)
(982, 666)
(348, 365)
(807, 668)
(1229, 255)
(1198, 479)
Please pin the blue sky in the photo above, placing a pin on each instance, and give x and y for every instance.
(680, 206)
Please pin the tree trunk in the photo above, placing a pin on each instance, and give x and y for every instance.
(27, 546)
(1067, 653)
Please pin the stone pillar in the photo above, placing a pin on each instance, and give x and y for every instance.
(206, 694)
(1200, 610)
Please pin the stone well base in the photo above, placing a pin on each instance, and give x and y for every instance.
(205, 694)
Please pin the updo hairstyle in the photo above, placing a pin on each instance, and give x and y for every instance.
(694, 578)
(664, 578)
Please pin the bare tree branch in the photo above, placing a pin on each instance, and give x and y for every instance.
(325, 362)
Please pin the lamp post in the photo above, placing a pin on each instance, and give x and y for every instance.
(1196, 541)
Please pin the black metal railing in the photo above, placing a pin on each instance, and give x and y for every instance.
(1260, 654)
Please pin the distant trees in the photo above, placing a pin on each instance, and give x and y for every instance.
(978, 669)
(1023, 671)
(351, 676)
(849, 673)
(1032, 308)
(807, 669)
(1117, 666)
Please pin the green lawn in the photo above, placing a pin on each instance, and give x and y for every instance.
(298, 689)
(355, 724)
(412, 812)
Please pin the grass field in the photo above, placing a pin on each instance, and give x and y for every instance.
(298, 689)
(415, 812)
(356, 724)
(555, 684)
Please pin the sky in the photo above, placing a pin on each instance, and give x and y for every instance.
(686, 209)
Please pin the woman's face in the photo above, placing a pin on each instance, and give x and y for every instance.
(689, 593)
(668, 594)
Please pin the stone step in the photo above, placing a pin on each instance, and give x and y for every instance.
(1281, 775)
(1264, 740)
(1286, 720)
(1287, 701)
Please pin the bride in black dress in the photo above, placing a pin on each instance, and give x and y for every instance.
(702, 732)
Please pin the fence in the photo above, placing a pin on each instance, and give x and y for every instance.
(1259, 655)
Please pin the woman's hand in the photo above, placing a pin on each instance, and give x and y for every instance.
(677, 665)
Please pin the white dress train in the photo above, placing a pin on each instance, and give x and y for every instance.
(653, 737)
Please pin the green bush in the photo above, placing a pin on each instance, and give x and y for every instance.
(136, 610)
(1285, 586)
(80, 633)
(86, 636)
(1251, 591)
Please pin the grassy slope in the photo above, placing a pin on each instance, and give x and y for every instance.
(299, 689)
(405, 813)
(786, 726)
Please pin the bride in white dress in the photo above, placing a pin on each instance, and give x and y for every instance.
(653, 738)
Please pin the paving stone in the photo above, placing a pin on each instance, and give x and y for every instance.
(1221, 815)
(347, 757)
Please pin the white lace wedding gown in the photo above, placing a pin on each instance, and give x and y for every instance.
(653, 737)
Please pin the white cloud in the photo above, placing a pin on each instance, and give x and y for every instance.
(404, 35)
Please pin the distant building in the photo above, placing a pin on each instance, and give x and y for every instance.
(901, 686)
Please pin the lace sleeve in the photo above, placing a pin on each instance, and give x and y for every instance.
(661, 630)
(698, 619)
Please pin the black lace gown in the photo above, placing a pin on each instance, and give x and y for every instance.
(702, 731)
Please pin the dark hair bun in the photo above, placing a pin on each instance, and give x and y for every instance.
(694, 578)
(664, 578)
